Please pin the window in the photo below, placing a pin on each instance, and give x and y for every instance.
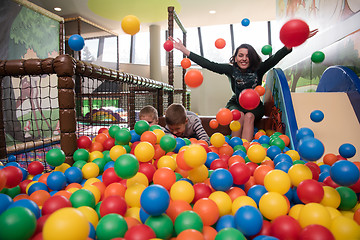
(124, 48)
(110, 50)
(142, 46)
(90, 51)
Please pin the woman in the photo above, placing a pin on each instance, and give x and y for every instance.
(245, 70)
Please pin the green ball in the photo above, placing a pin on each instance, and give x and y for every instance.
(81, 155)
(97, 209)
(141, 126)
(298, 162)
(82, 197)
(123, 136)
(106, 156)
(111, 226)
(276, 141)
(55, 157)
(348, 198)
(168, 143)
(153, 127)
(265, 145)
(187, 141)
(127, 148)
(161, 225)
(12, 192)
(178, 176)
(317, 57)
(101, 163)
(79, 164)
(229, 234)
(188, 220)
(17, 223)
(266, 50)
(240, 147)
(126, 166)
(113, 130)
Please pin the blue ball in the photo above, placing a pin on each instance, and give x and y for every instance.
(344, 173)
(256, 192)
(15, 164)
(56, 180)
(323, 175)
(37, 186)
(265, 237)
(240, 152)
(155, 200)
(311, 149)
(234, 141)
(179, 144)
(73, 175)
(264, 139)
(5, 202)
(92, 232)
(282, 157)
(134, 136)
(36, 177)
(76, 42)
(211, 156)
(143, 215)
(12, 158)
(29, 204)
(221, 179)
(109, 165)
(290, 194)
(347, 150)
(316, 116)
(304, 132)
(248, 220)
(245, 22)
(283, 166)
(24, 172)
(226, 221)
(273, 151)
(325, 168)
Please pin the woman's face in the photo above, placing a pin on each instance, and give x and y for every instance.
(242, 59)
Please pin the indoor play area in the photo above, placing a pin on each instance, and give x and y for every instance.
(77, 161)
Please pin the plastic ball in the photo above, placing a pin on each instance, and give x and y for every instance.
(294, 33)
(314, 213)
(217, 139)
(285, 227)
(229, 233)
(140, 231)
(245, 22)
(188, 220)
(223, 201)
(316, 116)
(344, 173)
(141, 126)
(348, 198)
(35, 168)
(155, 200)
(309, 191)
(130, 24)
(331, 197)
(185, 63)
(240, 173)
(55, 157)
(316, 231)
(17, 223)
(113, 129)
(235, 126)
(249, 99)
(207, 210)
(182, 190)
(126, 166)
(82, 197)
(299, 173)
(266, 50)
(260, 90)
(161, 225)
(221, 179)
(195, 155)
(76, 42)
(13, 176)
(256, 153)
(236, 114)
(90, 170)
(168, 45)
(113, 204)
(111, 226)
(317, 57)
(220, 43)
(144, 151)
(273, 205)
(277, 181)
(248, 220)
(165, 177)
(190, 234)
(54, 203)
(194, 78)
(347, 150)
(168, 143)
(311, 149)
(224, 116)
(56, 181)
(73, 175)
(304, 132)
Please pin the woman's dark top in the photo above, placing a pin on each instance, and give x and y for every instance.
(241, 80)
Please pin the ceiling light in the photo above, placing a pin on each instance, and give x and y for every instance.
(212, 11)
(57, 9)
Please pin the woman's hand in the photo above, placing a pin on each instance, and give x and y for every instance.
(180, 46)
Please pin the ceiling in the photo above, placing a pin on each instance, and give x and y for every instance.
(192, 13)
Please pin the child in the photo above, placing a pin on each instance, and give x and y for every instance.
(149, 114)
(183, 123)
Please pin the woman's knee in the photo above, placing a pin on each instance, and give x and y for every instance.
(249, 117)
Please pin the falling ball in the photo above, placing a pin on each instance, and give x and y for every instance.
(130, 24)
(220, 43)
(194, 78)
(249, 99)
(266, 50)
(168, 45)
(316, 116)
(76, 42)
(185, 63)
(311, 149)
(245, 22)
(317, 57)
(347, 150)
(294, 33)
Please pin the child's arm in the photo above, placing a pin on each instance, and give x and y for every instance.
(200, 131)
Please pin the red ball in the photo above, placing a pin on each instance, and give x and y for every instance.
(103, 130)
(218, 163)
(249, 99)
(55, 203)
(185, 63)
(84, 142)
(201, 191)
(224, 116)
(213, 123)
(139, 232)
(194, 78)
(148, 169)
(23, 185)
(236, 114)
(309, 191)
(108, 143)
(285, 227)
(329, 182)
(13, 176)
(168, 45)
(240, 172)
(316, 232)
(40, 224)
(109, 176)
(294, 33)
(113, 204)
(220, 43)
(35, 168)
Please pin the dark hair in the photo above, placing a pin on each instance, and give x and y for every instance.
(254, 57)
(175, 114)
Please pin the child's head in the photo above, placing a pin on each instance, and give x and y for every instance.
(149, 114)
(176, 119)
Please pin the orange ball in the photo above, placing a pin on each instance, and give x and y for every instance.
(234, 159)
(258, 135)
(251, 182)
(148, 136)
(96, 146)
(73, 185)
(64, 193)
(185, 63)
(190, 234)
(208, 211)
(101, 137)
(220, 43)
(176, 207)
(224, 116)
(165, 177)
(235, 192)
(260, 90)
(209, 233)
(357, 216)
(180, 161)
(194, 78)
(260, 172)
(20, 196)
(131, 222)
(43, 178)
(159, 152)
(285, 138)
(39, 197)
(329, 159)
(213, 123)
(226, 149)
(116, 189)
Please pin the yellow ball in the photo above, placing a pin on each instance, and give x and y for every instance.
(331, 197)
(345, 228)
(223, 201)
(130, 24)
(314, 213)
(29, 185)
(133, 194)
(159, 134)
(167, 161)
(295, 211)
(133, 212)
(256, 153)
(293, 154)
(62, 168)
(242, 201)
(90, 181)
(199, 174)
(217, 139)
(333, 212)
(94, 155)
(66, 223)
(195, 155)
(90, 170)
(139, 178)
(182, 190)
(277, 181)
(95, 191)
(116, 151)
(144, 151)
(90, 214)
(299, 173)
(273, 205)
(235, 126)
